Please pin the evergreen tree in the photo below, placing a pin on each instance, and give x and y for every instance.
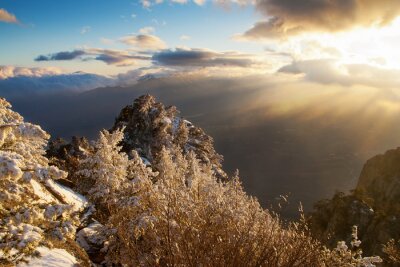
(31, 211)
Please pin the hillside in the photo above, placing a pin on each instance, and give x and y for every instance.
(150, 192)
(276, 154)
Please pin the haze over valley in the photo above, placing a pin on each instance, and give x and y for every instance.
(299, 138)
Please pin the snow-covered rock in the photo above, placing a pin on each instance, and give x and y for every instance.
(41, 192)
(91, 238)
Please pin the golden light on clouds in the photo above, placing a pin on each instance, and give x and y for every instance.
(374, 45)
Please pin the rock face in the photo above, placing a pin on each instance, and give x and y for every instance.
(380, 179)
(373, 206)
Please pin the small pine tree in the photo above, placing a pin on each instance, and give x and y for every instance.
(106, 171)
(30, 213)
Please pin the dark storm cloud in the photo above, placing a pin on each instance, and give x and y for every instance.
(290, 17)
(201, 58)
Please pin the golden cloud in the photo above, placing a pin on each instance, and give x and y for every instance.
(291, 17)
(5, 16)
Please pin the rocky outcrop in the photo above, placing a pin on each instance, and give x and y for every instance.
(374, 206)
(380, 180)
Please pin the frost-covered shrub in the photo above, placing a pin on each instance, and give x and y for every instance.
(29, 212)
(392, 251)
(179, 213)
(185, 216)
(344, 256)
(105, 171)
(149, 126)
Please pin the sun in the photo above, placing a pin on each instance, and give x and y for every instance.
(375, 45)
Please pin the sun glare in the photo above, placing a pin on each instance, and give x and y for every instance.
(376, 46)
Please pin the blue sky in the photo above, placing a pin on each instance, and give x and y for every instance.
(213, 37)
(53, 26)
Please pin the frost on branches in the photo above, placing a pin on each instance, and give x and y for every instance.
(31, 213)
(149, 126)
(345, 256)
(160, 195)
(177, 211)
(105, 171)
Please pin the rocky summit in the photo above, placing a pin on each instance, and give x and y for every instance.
(373, 205)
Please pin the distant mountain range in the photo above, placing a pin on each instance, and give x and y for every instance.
(31, 85)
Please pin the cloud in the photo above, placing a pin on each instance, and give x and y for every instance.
(184, 37)
(11, 72)
(144, 41)
(291, 17)
(108, 56)
(115, 57)
(159, 23)
(64, 55)
(85, 29)
(179, 1)
(106, 41)
(325, 71)
(146, 30)
(201, 58)
(5, 16)
(134, 76)
(17, 81)
(199, 2)
(21, 81)
(148, 3)
(285, 18)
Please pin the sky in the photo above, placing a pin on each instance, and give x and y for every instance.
(211, 37)
(49, 27)
(333, 63)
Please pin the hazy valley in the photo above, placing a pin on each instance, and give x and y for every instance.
(309, 152)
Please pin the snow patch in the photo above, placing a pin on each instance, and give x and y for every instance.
(50, 258)
(188, 124)
(77, 201)
(167, 120)
(42, 194)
